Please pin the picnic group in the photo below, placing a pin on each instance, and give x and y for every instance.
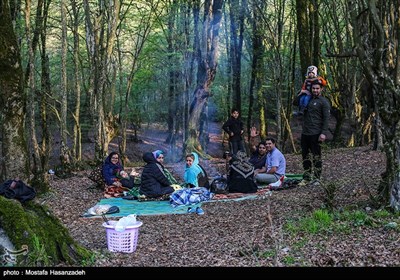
(264, 168)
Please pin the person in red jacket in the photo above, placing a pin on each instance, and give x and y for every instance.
(305, 93)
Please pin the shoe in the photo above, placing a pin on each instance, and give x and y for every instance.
(278, 183)
(199, 211)
(303, 183)
(191, 210)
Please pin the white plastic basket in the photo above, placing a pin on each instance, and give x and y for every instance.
(122, 241)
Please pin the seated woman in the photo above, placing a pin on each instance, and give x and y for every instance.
(159, 156)
(259, 156)
(195, 175)
(154, 182)
(241, 174)
(112, 169)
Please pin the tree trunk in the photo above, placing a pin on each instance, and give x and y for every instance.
(33, 146)
(207, 55)
(236, 48)
(308, 30)
(304, 34)
(101, 34)
(77, 134)
(14, 150)
(257, 71)
(29, 224)
(376, 55)
(44, 97)
(64, 150)
(47, 240)
(229, 100)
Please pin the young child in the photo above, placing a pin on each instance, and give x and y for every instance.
(234, 127)
(127, 180)
(305, 93)
(195, 175)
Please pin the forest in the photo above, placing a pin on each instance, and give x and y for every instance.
(75, 72)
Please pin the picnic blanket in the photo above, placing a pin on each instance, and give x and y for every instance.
(147, 208)
(127, 207)
(290, 181)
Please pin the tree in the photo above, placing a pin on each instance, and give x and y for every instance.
(378, 52)
(14, 151)
(207, 52)
(101, 30)
(237, 12)
(308, 30)
(34, 224)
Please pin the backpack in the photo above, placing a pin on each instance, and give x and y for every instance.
(97, 176)
(20, 191)
(219, 186)
(203, 179)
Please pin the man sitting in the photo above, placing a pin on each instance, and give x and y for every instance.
(275, 165)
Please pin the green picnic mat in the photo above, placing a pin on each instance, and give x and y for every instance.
(127, 207)
(289, 176)
(294, 176)
(145, 208)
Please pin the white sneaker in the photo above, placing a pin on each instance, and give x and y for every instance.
(278, 183)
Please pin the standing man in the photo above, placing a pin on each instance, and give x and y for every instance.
(275, 164)
(315, 129)
(234, 127)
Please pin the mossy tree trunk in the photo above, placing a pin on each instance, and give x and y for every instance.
(48, 241)
(29, 224)
(380, 62)
(14, 151)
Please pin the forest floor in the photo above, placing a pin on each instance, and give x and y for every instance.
(288, 228)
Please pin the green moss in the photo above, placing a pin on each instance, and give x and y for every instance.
(33, 225)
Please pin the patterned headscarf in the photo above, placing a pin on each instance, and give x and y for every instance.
(242, 165)
(157, 153)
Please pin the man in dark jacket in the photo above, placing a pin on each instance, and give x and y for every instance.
(315, 129)
(234, 127)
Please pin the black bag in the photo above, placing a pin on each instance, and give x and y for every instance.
(19, 191)
(203, 179)
(97, 176)
(219, 186)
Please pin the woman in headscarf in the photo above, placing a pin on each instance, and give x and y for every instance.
(159, 156)
(241, 174)
(114, 174)
(195, 175)
(154, 182)
(111, 168)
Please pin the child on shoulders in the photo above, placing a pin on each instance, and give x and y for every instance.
(305, 93)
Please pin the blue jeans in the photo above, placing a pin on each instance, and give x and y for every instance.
(304, 100)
